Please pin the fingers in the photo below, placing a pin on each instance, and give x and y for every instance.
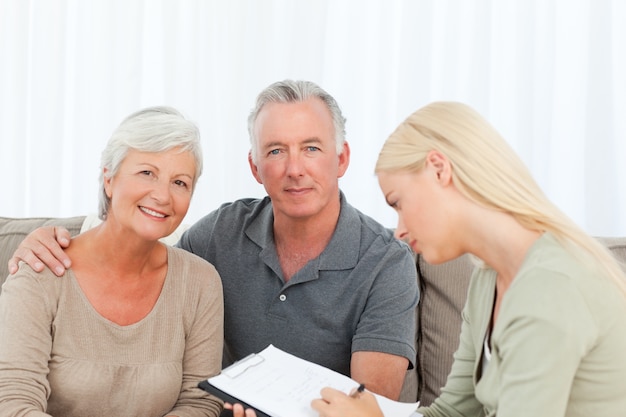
(13, 265)
(326, 406)
(320, 406)
(331, 394)
(63, 236)
(43, 247)
(337, 404)
(238, 410)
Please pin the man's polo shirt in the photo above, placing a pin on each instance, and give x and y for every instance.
(359, 294)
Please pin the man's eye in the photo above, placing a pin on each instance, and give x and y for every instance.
(312, 148)
(274, 152)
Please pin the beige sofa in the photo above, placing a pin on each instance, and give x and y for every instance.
(443, 295)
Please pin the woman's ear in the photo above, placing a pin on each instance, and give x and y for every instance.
(441, 166)
(107, 182)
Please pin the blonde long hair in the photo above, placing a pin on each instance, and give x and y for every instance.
(488, 171)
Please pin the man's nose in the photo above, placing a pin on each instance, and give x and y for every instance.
(295, 165)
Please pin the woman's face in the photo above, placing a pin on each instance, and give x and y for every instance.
(151, 192)
(424, 217)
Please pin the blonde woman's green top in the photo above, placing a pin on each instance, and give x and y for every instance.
(558, 347)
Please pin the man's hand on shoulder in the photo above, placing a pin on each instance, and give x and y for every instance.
(43, 247)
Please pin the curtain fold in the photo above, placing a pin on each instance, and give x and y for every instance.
(549, 74)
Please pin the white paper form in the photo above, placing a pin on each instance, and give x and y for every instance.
(283, 385)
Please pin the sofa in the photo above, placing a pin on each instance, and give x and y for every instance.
(443, 289)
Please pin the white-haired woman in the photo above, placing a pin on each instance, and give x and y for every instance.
(544, 326)
(133, 326)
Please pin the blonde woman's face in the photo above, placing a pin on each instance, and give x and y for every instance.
(420, 202)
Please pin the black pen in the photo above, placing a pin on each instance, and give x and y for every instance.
(358, 391)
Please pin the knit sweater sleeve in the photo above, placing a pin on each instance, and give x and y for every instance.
(204, 318)
(26, 314)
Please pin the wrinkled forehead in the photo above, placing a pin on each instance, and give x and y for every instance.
(304, 119)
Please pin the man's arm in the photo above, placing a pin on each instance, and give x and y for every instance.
(43, 247)
(384, 345)
(382, 373)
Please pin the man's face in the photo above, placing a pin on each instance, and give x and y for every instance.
(297, 159)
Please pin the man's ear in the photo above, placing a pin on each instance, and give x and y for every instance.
(344, 160)
(441, 166)
(254, 168)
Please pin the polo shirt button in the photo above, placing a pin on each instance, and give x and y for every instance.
(282, 297)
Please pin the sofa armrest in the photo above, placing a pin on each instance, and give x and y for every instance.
(14, 230)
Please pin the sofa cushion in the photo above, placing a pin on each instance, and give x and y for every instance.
(13, 231)
(443, 291)
(617, 246)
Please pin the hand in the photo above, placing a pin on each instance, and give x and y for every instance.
(43, 247)
(335, 403)
(238, 410)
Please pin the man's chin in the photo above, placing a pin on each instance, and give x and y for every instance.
(302, 211)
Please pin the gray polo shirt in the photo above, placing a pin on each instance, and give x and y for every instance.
(360, 294)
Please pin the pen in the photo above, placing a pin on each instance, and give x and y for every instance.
(359, 390)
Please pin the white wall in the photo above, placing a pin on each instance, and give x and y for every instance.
(549, 74)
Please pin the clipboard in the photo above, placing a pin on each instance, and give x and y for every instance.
(206, 385)
(283, 385)
(233, 371)
(274, 383)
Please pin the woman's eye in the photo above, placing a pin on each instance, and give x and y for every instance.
(181, 183)
(146, 172)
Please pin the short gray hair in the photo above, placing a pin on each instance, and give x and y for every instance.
(153, 129)
(290, 91)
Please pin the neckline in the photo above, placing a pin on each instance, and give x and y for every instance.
(92, 310)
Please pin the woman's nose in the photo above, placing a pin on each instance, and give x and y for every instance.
(161, 192)
(400, 232)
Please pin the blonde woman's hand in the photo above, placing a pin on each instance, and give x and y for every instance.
(336, 403)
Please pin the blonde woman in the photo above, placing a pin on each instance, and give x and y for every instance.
(544, 327)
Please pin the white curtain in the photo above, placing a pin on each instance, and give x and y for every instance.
(549, 74)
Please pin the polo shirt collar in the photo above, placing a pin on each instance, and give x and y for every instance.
(342, 252)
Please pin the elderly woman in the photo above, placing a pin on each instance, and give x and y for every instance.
(133, 326)
(544, 326)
